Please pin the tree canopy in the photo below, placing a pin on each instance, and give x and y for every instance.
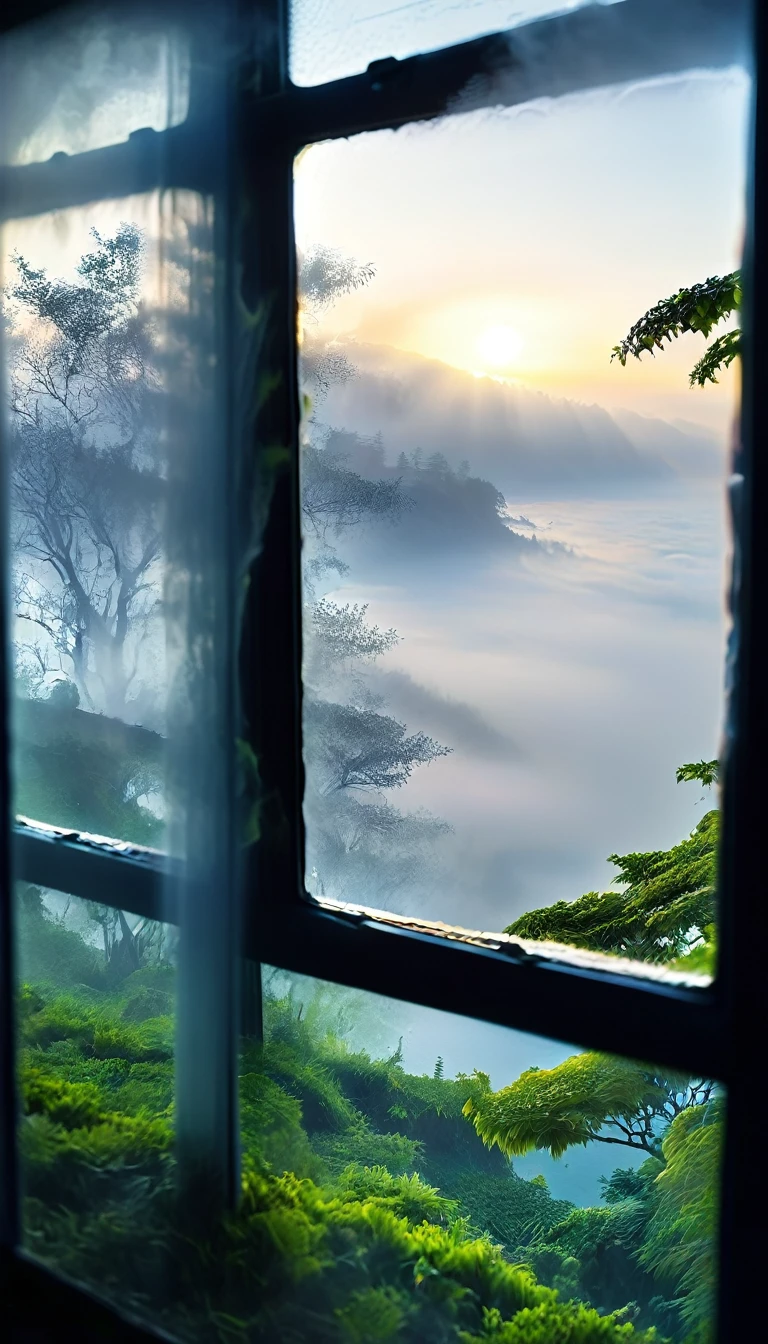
(588, 1098)
(699, 308)
(666, 903)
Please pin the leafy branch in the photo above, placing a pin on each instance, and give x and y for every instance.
(699, 308)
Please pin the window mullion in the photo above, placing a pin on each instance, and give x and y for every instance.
(9, 1194)
(741, 951)
(269, 671)
(584, 48)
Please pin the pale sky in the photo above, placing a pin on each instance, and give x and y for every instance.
(525, 242)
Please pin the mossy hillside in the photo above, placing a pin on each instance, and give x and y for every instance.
(318, 1251)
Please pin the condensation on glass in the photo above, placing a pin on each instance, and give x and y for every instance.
(117, 451)
(516, 550)
(334, 38)
(95, 1039)
(111, 410)
(88, 434)
(89, 78)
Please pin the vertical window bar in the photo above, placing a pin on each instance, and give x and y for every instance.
(741, 964)
(270, 641)
(9, 1211)
(203, 552)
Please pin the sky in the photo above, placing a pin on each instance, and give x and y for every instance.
(525, 242)
(512, 250)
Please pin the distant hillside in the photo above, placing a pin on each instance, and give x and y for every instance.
(525, 442)
(445, 508)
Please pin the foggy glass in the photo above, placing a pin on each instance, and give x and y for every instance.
(334, 38)
(88, 79)
(515, 550)
(87, 419)
(95, 1042)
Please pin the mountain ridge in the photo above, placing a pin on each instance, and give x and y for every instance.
(525, 441)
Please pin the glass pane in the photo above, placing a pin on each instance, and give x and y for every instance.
(408, 1174)
(96, 991)
(334, 38)
(88, 79)
(515, 548)
(89, 454)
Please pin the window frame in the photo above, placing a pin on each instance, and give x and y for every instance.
(591, 1004)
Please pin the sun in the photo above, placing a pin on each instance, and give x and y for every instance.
(499, 347)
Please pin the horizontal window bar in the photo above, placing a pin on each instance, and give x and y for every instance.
(183, 157)
(598, 1009)
(582, 998)
(127, 877)
(37, 1302)
(585, 48)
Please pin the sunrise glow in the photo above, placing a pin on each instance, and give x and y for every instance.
(499, 347)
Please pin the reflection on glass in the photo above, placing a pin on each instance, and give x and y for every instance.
(88, 80)
(88, 453)
(514, 546)
(334, 38)
(408, 1175)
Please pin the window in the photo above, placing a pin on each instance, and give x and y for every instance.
(254, 1102)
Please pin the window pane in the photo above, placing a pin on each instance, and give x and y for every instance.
(96, 992)
(89, 456)
(334, 38)
(88, 79)
(398, 1165)
(515, 548)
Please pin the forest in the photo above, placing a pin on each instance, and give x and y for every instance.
(377, 1205)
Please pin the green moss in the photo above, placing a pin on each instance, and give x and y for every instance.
(362, 1146)
(371, 1209)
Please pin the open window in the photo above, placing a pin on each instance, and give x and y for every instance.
(358, 604)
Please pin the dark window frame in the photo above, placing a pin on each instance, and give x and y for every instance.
(705, 1031)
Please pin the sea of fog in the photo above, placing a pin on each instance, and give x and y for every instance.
(570, 686)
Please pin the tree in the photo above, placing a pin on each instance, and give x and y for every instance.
(359, 847)
(589, 1098)
(333, 497)
(352, 748)
(699, 308)
(325, 275)
(85, 489)
(667, 901)
(680, 1242)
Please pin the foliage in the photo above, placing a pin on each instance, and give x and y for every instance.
(86, 771)
(588, 1098)
(351, 748)
(706, 772)
(370, 1204)
(48, 952)
(355, 752)
(699, 308)
(345, 636)
(85, 490)
(667, 901)
(334, 497)
(681, 1240)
